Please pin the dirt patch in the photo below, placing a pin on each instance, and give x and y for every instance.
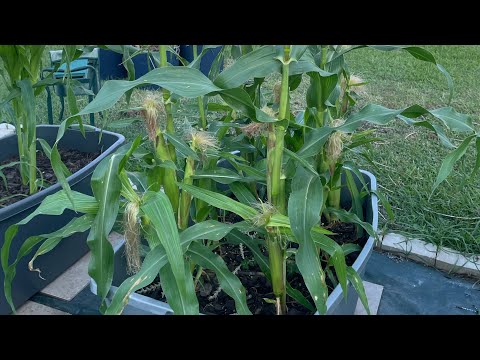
(15, 191)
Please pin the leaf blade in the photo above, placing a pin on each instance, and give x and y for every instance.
(220, 201)
(158, 209)
(304, 208)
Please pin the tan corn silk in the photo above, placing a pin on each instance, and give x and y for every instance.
(277, 91)
(203, 140)
(265, 212)
(334, 145)
(269, 111)
(153, 108)
(131, 228)
(254, 129)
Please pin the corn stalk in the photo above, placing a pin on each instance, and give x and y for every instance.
(276, 191)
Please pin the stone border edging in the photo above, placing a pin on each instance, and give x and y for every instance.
(441, 258)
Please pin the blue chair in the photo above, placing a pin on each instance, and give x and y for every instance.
(186, 51)
(83, 70)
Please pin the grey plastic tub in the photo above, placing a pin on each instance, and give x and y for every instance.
(336, 304)
(27, 283)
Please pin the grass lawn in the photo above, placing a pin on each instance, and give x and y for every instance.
(408, 159)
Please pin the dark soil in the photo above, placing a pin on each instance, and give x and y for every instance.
(345, 233)
(257, 286)
(74, 160)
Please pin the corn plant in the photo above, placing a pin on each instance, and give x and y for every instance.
(21, 71)
(287, 175)
(21, 66)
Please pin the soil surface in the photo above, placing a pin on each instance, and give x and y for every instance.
(74, 160)
(258, 288)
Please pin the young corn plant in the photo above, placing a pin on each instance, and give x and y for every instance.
(21, 72)
(293, 161)
(21, 65)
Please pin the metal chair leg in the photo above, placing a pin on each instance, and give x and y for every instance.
(62, 108)
(92, 117)
(49, 106)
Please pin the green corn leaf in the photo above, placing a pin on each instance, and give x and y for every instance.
(180, 80)
(206, 230)
(297, 51)
(157, 258)
(129, 65)
(47, 150)
(307, 166)
(139, 179)
(123, 123)
(197, 61)
(453, 120)
(253, 173)
(349, 217)
(135, 144)
(220, 175)
(357, 283)
(28, 99)
(15, 92)
(337, 257)
(449, 82)
(106, 186)
(242, 193)
(433, 127)
(256, 64)
(57, 203)
(320, 89)
(239, 100)
(450, 160)
(73, 107)
(218, 107)
(314, 142)
(80, 224)
(216, 63)
(164, 229)
(385, 203)
(181, 304)
(282, 221)
(477, 162)
(36, 53)
(77, 225)
(279, 220)
(305, 66)
(151, 266)
(58, 169)
(304, 208)
(220, 201)
(349, 248)
(380, 115)
(351, 166)
(181, 146)
(356, 200)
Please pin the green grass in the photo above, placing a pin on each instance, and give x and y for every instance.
(408, 159)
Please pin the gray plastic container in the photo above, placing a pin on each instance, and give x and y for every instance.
(336, 304)
(27, 283)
